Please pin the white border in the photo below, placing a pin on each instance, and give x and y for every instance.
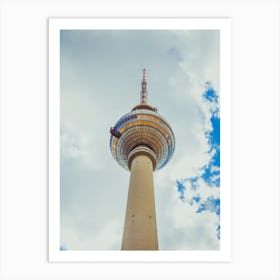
(55, 25)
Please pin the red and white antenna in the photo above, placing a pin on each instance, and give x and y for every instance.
(143, 99)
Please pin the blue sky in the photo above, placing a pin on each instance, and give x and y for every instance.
(211, 170)
(101, 81)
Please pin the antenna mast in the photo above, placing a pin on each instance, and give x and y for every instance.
(143, 99)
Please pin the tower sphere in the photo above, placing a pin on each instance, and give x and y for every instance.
(143, 131)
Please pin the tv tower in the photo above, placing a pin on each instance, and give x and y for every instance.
(141, 141)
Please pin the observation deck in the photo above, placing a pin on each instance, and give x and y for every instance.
(145, 131)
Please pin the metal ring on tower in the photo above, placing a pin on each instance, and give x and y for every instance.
(142, 150)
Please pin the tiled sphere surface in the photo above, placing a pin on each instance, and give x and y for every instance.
(143, 127)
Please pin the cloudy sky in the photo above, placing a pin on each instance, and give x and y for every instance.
(101, 72)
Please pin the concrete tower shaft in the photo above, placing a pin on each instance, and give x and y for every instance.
(140, 230)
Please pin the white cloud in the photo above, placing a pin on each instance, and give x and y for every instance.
(184, 229)
(107, 237)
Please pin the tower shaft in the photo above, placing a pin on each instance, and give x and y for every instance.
(140, 231)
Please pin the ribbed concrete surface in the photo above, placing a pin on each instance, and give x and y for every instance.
(140, 231)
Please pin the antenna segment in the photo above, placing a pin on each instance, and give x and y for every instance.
(143, 99)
